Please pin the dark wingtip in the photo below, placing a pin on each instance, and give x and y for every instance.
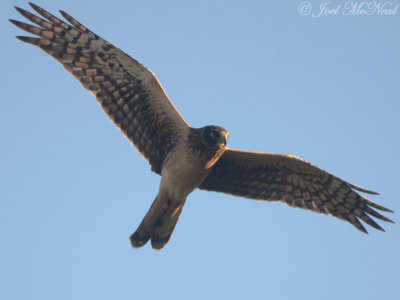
(361, 189)
(36, 8)
(356, 223)
(376, 226)
(19, 9)
(33, 5)
(377, 206)
(65, 15)
(22, 11)
(17, 23)
(21, 38)
(27, 39)
(386, 209)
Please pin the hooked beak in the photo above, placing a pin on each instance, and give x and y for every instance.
(224, 138)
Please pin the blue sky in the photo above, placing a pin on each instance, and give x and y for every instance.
(73, 189)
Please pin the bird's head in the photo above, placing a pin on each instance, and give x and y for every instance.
(214, 136)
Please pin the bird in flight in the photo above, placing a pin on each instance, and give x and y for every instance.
(186, 157)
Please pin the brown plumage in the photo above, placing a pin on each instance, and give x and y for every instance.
(186, 157)
(287, 178)
(127, 91)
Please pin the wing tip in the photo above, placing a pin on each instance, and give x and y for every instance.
(15, 22)
(27, 39)
(33, 5)
(369, 222)
(19, 9)
(378, 206)
(361, 189)
(390, 221)
(40, 10)
(67, 17)
(362, 229)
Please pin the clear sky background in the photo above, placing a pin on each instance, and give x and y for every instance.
(73, 189)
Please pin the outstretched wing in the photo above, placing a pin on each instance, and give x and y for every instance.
(128, 92)
(287, 178)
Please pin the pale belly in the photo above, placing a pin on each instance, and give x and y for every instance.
(180, 178)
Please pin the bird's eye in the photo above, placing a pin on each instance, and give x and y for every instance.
(212, 136)
(215, 134)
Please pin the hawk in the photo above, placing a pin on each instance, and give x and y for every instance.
(186, 158)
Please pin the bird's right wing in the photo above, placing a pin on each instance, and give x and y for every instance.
(127, 91)
(287, 178)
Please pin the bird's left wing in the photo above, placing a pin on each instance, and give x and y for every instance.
(287, 178)
(127, 91)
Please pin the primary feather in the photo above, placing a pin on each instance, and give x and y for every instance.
(127, 91)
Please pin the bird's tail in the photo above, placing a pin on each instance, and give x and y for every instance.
(158, 224)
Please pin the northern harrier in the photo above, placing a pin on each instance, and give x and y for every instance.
(186, 157)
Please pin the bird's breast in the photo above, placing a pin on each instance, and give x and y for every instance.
(181, 174)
